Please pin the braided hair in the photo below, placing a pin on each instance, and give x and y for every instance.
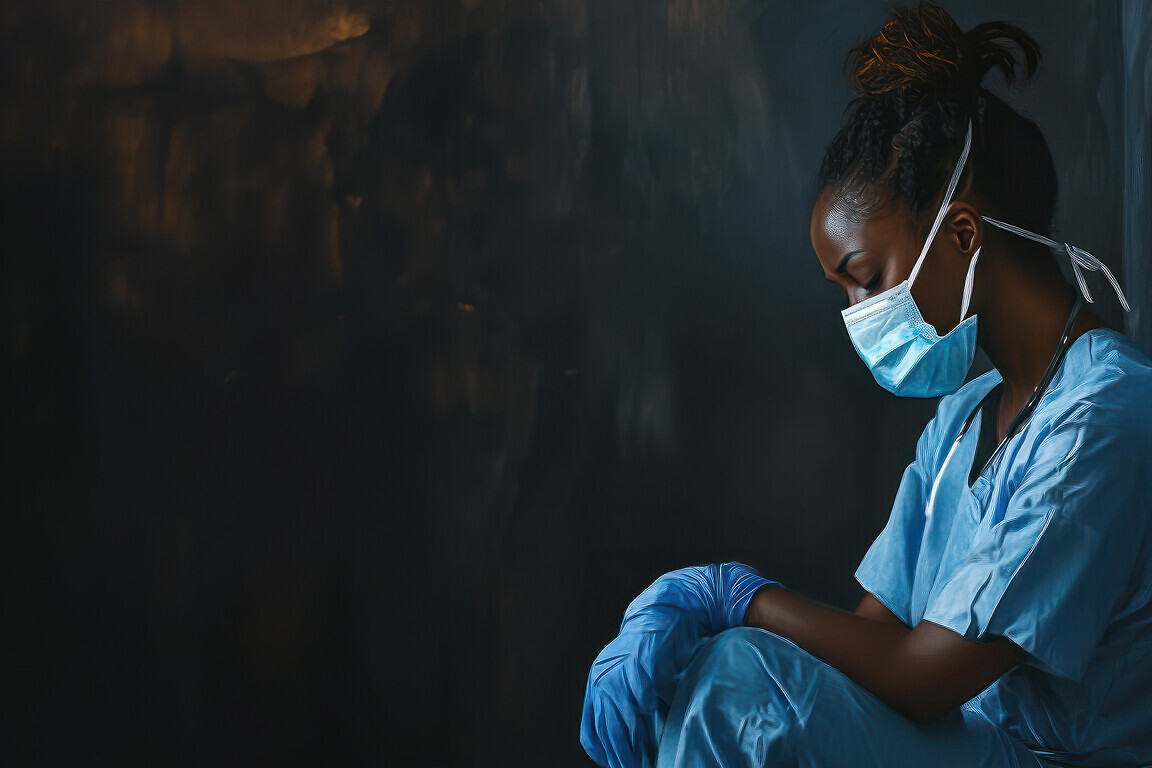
(918, 82)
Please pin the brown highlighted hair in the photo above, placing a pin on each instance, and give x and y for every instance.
(918, 82)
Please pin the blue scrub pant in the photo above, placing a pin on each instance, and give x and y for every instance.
(751, 698)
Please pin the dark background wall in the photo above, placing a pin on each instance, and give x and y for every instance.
(367, 359)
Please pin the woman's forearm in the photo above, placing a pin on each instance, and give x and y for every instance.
(859, 647)
(921, 673)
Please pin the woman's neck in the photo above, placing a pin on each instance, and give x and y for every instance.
(1020, 329)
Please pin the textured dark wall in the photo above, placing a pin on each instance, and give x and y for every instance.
(1136, 31)
(368, 359)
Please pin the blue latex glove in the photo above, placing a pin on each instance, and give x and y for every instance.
(633, 679)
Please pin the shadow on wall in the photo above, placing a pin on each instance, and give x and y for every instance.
(370, 357)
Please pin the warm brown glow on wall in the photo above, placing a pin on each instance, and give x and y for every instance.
(369, 357)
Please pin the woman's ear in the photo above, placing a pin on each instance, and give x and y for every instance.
(966, 228)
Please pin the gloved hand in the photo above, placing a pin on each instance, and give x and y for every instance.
(633, 679)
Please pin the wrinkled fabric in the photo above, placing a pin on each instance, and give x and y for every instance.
(633, 679)
(1051, 546)
(750, 698)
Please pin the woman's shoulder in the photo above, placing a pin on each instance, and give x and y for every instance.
(1107, 348)
(1086, 453)
(1096, 412)
(1105, 376)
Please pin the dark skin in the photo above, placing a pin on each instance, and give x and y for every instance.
(1023, 302)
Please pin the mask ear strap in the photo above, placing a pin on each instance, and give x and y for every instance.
(968, 284)
(1080, 259)
(943, 206)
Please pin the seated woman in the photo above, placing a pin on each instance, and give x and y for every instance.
(1008, 614)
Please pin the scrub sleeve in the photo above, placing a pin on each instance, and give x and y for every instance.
(1050, 566)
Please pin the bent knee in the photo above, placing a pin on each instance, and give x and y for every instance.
(740, 658)
(744, 644)
(751, 668)
(733, 700)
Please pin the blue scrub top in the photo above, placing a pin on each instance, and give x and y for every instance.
(1051, 547)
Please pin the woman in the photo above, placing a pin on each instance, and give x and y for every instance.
(1008, 614)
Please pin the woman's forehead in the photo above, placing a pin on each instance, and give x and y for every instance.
(840, 219)
(839, 216)
(836, 217)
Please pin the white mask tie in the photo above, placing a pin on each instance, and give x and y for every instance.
(1080, 259)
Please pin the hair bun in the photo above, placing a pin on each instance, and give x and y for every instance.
(921, 50)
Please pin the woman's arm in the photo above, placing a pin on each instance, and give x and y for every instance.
(923, 672)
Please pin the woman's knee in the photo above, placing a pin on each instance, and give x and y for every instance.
(736, 663)
(757, 642)
(753, 670)
(732, 701)
(755, 688)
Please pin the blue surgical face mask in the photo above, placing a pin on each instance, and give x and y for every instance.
(904, 353)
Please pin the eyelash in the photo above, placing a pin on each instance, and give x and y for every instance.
(871, 286)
